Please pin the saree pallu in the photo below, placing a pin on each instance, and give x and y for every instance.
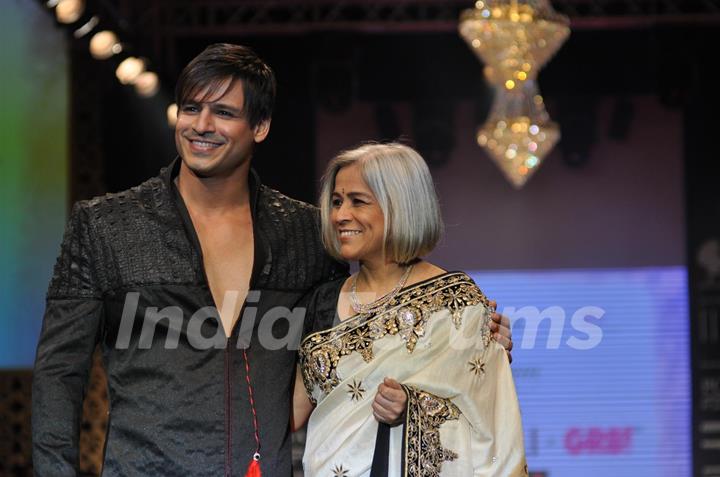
(462, 416)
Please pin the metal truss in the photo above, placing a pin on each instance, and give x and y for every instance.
(273, 17)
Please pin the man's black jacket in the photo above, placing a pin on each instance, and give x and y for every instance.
(178, 394)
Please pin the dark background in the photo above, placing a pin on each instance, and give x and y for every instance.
(629, 66)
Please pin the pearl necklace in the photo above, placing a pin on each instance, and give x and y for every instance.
(381, 302)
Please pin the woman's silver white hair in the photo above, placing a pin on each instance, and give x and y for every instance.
(401, 182)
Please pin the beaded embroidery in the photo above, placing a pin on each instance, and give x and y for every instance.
(407, 315)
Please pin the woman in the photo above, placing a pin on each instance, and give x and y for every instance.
(452, 387)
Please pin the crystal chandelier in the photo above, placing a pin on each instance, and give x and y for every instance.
(514, 39)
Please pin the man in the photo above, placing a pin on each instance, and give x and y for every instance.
(187, 282)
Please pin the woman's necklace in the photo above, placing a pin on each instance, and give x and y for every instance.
(380, 302)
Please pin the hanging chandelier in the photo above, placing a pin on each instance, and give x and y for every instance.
(515, 39)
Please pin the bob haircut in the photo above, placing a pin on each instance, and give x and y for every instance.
(220, 61)
(401, 182)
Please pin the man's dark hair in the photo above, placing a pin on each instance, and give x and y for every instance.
(218, 62)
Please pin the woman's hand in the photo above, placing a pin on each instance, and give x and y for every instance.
(500, 326)
(390, 401)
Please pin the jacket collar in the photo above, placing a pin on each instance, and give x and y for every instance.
(262, 262)
(169, 173)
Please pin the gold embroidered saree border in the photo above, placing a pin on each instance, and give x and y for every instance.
(407, 315)
(422, 449)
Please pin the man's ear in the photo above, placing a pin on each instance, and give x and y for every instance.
(261, 130)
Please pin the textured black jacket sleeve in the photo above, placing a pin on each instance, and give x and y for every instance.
(69, 334)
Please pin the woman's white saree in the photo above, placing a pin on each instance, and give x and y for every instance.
(462, 417)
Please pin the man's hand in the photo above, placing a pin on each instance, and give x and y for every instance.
(389, 403)
(500, 326)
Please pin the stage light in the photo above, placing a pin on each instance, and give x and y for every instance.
(147, 84)
(87, 27)
(130, 68)
(172, 113)
(103, 45)
(69, 11)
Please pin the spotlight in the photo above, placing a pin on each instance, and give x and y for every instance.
(104, 44)
(172, 113)
(147, 84)
(69, 11)
(129, 70)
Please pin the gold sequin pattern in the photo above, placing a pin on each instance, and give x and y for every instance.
(424, 453)
(407, 315)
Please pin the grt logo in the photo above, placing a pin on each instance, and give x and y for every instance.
(597, 440)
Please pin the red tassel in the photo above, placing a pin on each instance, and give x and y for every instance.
(253, 469)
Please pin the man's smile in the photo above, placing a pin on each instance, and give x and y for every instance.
(203, 145)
